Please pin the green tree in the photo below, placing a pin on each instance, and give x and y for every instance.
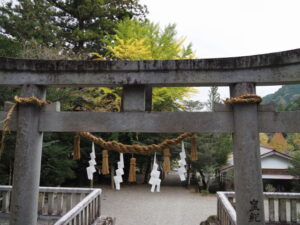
(84, 23)
(9, 47)
(57, 165)
(74, 24)
(213, 150)
(213, 97)
(294, 141)
(294, 105)
(27, 20)
(295, 170)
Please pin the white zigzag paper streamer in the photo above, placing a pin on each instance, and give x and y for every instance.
(119, 172)
(92, 163)
(182, 163)
(154, 179)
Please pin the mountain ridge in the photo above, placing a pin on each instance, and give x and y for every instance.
(284, 96)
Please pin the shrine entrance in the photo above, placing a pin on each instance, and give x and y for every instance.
(245, 120)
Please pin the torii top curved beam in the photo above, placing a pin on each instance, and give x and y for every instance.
(266, 69)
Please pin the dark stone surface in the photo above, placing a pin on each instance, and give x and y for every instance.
(272, 59)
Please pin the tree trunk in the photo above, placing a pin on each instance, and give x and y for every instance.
(112, 172)
(188, 179)
(147, 172)
(203, 179)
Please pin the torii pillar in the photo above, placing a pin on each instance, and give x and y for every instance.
(27, 165)
(247, 165)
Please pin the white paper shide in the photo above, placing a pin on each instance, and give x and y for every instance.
(119, 172)
(154, 179)
(182, 163)
(92, 163)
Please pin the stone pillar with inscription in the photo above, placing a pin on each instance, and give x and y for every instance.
(247, 165)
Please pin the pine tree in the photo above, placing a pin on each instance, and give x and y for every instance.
(213, 97)
(84, 23)
(28, 20)
(77, 25)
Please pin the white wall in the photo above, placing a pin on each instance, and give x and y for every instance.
(275, 162)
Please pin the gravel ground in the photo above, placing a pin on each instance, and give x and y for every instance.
(174, 205)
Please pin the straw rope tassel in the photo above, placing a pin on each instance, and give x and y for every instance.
(166, 163)
(76, 150)
(132, 170)
(6, 127)
(105, 165)
(194, 150)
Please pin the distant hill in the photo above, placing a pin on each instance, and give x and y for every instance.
(284, 96)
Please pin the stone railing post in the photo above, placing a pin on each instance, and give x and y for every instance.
(27, 165)
(247, 166)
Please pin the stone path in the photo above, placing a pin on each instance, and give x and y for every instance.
(174, 205)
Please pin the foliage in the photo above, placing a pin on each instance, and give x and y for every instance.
(87, 99)
(7, 159)
(191, 105)
(294, 105)
(279, 143)
(148, 40)
(144, 40)
(28, 20)
(264, 139)
(9, 47)
(32, 49)
(270, 188)
(85, 22)
(57, 165)
(287, 98)
(213, 97)
(35, 50)
(295, 170)
(213, 150)
(294, 141)
(170, 98)
(74, 24)
(132, 49)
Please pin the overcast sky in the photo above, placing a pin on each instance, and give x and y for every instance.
(226, 28)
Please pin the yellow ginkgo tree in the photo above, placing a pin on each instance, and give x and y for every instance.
(144, 40)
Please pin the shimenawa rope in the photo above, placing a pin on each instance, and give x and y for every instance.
(19, 100)
(247, 98)
(135, 149)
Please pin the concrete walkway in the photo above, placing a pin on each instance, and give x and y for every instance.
(174, 205)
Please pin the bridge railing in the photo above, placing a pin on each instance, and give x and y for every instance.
(85, 212)
(225, 211)
(280, 208)
(61, 206)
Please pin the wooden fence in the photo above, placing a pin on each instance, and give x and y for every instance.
(64, 205)
(280, 208)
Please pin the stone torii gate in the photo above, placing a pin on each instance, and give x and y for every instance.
(245, 121)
